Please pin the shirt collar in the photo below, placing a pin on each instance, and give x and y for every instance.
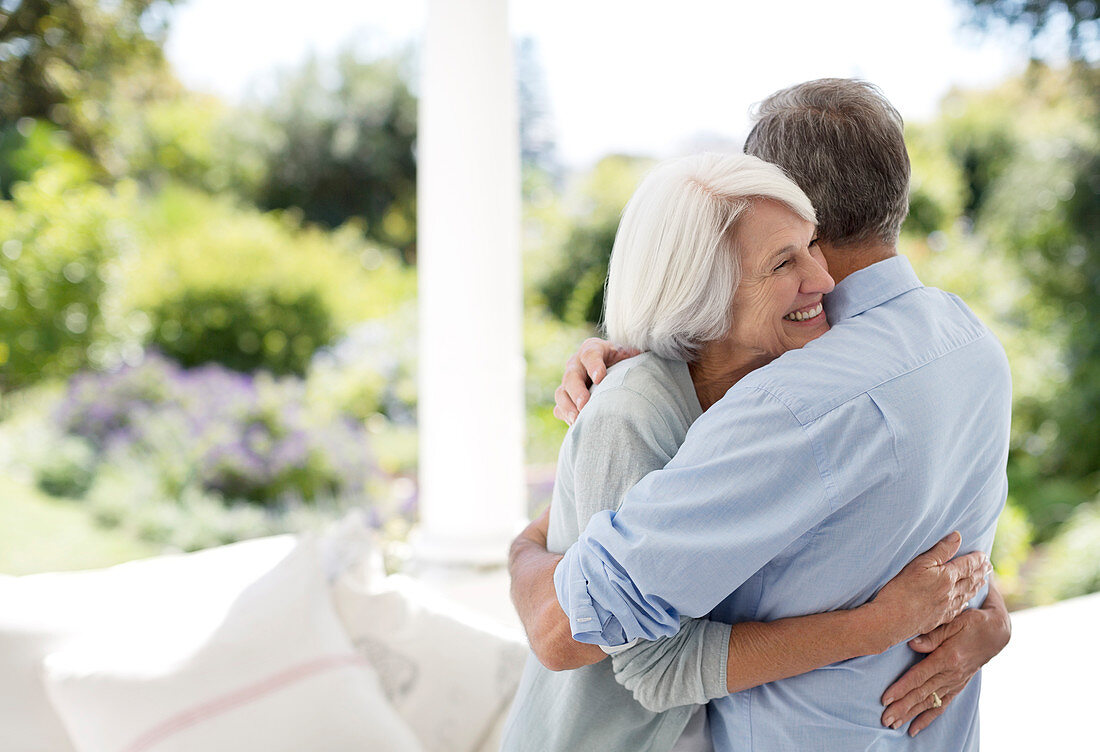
(869, 287)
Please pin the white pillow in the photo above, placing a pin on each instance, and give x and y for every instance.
(450, 674)
(273, 671)
(350, 546)
(494, 739)
(43, 613)
(28, 722)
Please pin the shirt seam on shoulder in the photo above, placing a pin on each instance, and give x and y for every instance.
(659, 412)
(932, 357)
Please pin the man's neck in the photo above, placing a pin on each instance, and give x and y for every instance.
(845, 259)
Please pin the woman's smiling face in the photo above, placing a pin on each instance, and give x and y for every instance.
(778, 304)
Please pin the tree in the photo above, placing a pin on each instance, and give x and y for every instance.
(1043, 204)
(574, 288)
(1080, 19)
(346, 148)
(62, 61)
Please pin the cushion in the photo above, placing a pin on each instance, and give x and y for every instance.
(494, 738)
(270, 669)
(450, 674)
(44, 613)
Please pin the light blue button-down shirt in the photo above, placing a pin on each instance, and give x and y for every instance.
(805, 489)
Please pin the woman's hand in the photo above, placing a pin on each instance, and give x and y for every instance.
(931, 590)
(584, 368)
(955, 653)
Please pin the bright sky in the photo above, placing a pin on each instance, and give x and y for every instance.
(643, 76)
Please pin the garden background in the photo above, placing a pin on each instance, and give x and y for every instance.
(208, 309)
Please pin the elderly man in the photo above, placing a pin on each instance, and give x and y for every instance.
(817, 477)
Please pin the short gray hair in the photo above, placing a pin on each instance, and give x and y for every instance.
(674, 267)
(842, 141)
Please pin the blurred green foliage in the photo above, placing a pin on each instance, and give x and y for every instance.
(1078, 20)
(86, 272)
(127, 497)
(574, 285)
(547, 344)
(27, 145)
(61, 243)
(39, 533)
(67, 62)
(371, 373)
(192, 139)
(345, 132)
(68, 467)
(1012, 549)
(1069, 565)
(221, 282)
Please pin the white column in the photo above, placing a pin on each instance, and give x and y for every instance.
(471, 357)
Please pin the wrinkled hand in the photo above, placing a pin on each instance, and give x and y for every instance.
(956, 651)
(584, 368)
(932, 589)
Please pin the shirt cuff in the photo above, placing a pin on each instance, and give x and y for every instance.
(716, 648)
(615, 650)
(585, 621)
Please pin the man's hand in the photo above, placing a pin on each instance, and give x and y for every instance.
(538, 530)
(585, 368)
(532, 569)
(956, 651)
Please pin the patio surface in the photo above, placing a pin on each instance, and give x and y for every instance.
(1040, 692)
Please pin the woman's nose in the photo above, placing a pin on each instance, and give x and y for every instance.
(817, 279)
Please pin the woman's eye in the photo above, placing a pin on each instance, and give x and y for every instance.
(781, 265)
(813, 242)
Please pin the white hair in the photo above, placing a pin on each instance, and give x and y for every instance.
(674, 266)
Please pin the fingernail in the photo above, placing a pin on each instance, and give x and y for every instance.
(896, 726)
(889, 700)
(889, 721)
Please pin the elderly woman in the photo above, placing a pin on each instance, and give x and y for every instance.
(714, 272)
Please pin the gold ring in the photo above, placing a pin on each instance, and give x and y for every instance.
(936, 701)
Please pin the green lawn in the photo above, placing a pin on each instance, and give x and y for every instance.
(41, 534)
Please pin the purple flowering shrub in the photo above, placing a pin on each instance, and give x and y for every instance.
(233, 435)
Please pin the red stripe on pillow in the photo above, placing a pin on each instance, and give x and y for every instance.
(243, 696)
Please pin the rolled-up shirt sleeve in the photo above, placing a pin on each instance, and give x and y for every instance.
(748, 481)
(688, 668)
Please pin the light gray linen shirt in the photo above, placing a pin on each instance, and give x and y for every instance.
(642, 698)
